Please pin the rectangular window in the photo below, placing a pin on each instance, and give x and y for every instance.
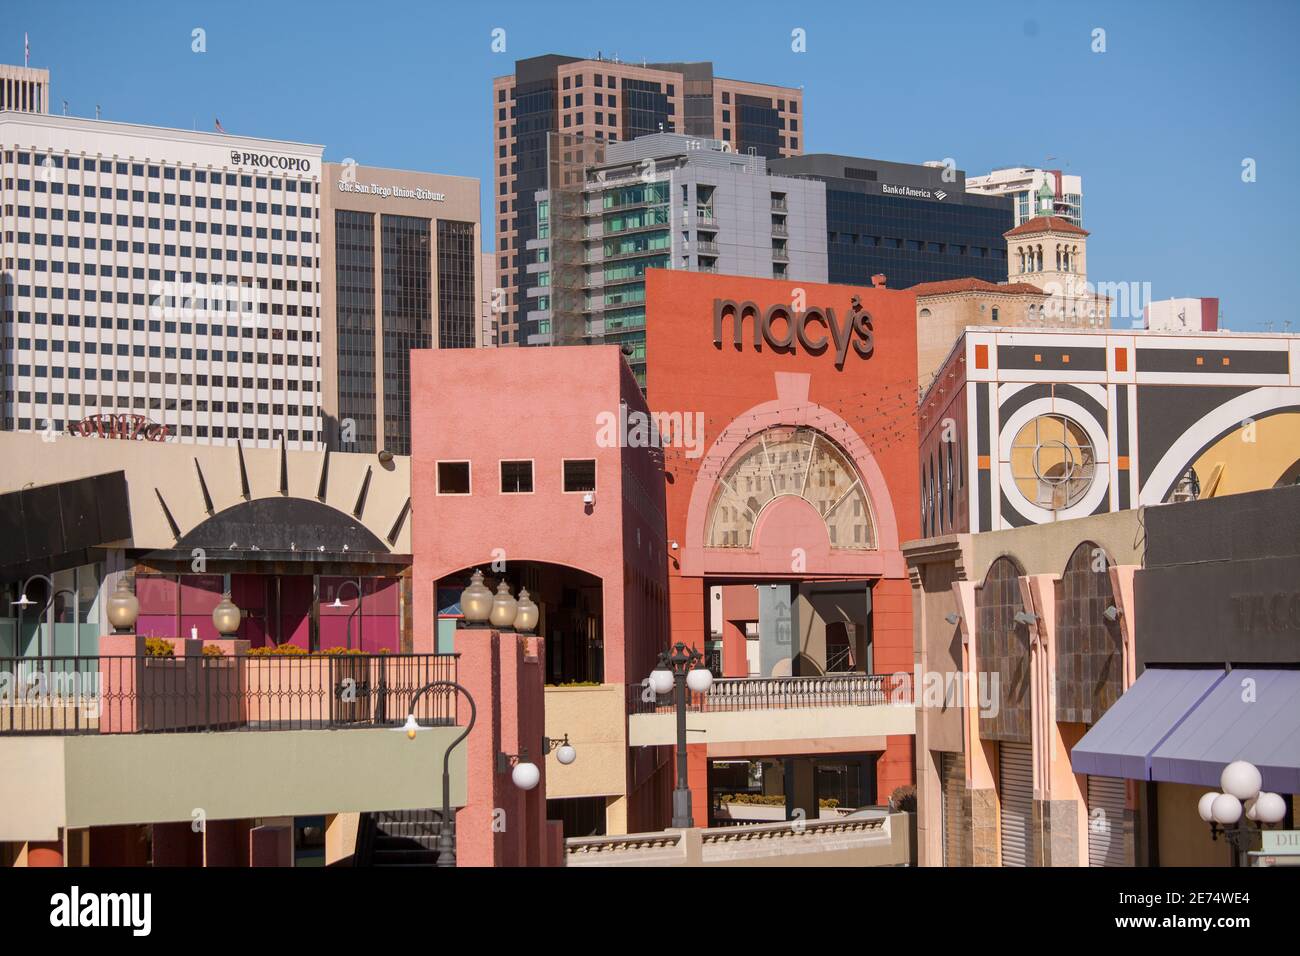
(516, 477)
(453, 477)
(580, 475)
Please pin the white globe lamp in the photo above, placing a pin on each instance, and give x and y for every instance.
(526, 775)
(1241, 779)
(699, 679)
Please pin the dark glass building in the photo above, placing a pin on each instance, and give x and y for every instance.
(912, 223)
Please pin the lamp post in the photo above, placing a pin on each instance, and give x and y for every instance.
(447, 825)
(339, 604)
(680, 669)
(24, 602)
(1241, 782)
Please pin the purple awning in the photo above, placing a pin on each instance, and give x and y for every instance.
(1120, 744)
(1252, 714)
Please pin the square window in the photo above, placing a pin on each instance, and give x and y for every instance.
(453, 477)
(580, 475)
(516, 477)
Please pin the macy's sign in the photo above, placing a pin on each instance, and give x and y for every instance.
(816, 330)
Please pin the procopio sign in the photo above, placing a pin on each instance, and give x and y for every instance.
(815, 329)
(270, 161)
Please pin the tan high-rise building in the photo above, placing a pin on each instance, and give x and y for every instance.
(550, 103)
(24, 89)
(400, 270)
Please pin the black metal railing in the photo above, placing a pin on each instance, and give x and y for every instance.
(89, 695)
(782, 693)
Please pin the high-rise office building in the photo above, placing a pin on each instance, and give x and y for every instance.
(160, 282)
(595, 101)
(400, 266)
(662, 201)
(1035, 192)
(910, 223)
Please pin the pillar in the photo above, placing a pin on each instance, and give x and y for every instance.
(177, 844)
(800, 789)
(697, 781)
(501, 825)
(270, 846)
(226, 842)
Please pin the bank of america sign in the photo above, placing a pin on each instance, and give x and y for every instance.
(913, 192)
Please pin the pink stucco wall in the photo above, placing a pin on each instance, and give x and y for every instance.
(544, 405)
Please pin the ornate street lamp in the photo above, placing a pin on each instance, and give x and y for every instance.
(525, 613)
(680, 669)
(1241, 782)
(476, 601)
(226, 616)
(123, 607)
(504, 608)
(447, 825)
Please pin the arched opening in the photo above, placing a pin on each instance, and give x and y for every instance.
(570, 605)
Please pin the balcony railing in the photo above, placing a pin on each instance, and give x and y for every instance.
(782, 693)
(139, 695)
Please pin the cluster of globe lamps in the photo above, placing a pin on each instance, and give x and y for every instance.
(1241, 795)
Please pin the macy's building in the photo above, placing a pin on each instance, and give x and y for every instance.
(788, 432)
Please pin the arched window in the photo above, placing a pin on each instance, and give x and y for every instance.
(798, 462)
(1002, 645)
(1089, 665)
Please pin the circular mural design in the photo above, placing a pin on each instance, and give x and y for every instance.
(1053, 462)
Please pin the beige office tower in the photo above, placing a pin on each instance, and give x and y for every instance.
(401, 262)
(552, 105)
(24, 89)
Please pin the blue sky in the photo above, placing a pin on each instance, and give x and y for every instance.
(1158, 125)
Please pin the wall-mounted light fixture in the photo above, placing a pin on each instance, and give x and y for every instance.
(1112, 613)
(565, 752)
(952, 618)
(1026, 617)
(525, 774)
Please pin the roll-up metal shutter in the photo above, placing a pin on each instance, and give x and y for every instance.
(1106, 822)
(952, 780)
(1016, 792)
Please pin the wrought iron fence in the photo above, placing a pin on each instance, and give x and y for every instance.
(88, 695)
(764, 693)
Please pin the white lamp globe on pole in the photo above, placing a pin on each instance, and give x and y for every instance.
(1270, 808)
(1242, 779)
(699, 679)
(661, 680)
(1226, 809)
(1205, 808)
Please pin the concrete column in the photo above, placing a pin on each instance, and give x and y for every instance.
(697, 781)
(800, 788)
(226, 842)
(177, 844)
(118, 846)
(270, 846)
(341, 837)
(616, 815)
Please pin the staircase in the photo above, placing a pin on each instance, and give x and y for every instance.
(398, 838)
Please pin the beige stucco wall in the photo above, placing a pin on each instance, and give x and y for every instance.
(104, 780)
(593, 717)
(813, 726)
(169, 468)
